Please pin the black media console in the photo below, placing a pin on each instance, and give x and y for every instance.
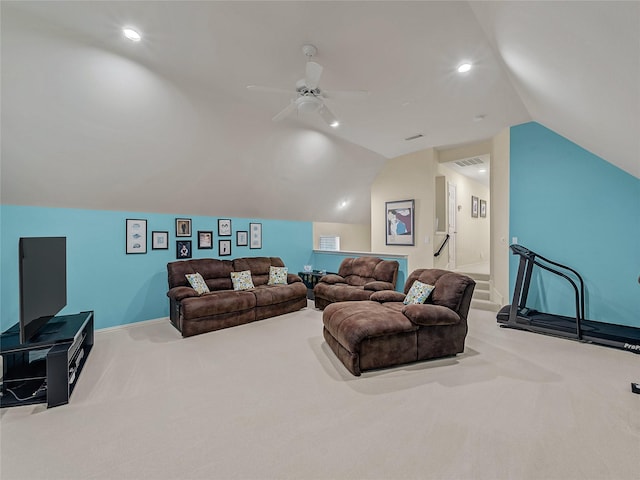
(46, 368)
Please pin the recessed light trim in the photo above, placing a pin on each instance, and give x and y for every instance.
(464, 67)
(335, 124)
(131, 34)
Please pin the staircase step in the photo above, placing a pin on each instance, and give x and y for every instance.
(482, 285)
(485, 305)
(483, 277)
(481, 295)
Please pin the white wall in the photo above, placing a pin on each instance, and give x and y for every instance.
(407, 177)
(500, 217)
(353, 237)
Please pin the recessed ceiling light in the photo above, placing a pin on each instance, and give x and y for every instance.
(464, 67)
(483, 170)
(131, 34)
(479, 118)
(342, 204)
(335, 124)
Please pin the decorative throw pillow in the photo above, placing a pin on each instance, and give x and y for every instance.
(278, 275)
(242, 280)
(418, 293)
(197, 283)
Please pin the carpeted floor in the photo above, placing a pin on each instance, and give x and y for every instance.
(269, 400)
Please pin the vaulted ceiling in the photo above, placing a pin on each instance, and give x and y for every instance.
(92, 120)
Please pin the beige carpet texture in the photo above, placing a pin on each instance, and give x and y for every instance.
(269, 400)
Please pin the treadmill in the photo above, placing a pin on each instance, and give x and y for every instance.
(519, 316)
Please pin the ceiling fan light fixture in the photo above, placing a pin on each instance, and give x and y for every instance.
(308, 104)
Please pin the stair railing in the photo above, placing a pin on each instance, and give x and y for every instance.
(444, 242)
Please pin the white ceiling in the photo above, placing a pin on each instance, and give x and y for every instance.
(168, 125)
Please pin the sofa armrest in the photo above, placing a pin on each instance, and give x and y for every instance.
(180, 293)
(378, 286)
(332, 278)
(387, 296)
(430, 315)
(293, 278)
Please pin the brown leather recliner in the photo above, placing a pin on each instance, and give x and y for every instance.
(357, 279)
(383, 331)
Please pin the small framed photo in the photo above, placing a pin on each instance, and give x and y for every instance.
(205, 240)
(183, 227)
(483, 208)
(242, 238)
(159, 240)
(136, 237)
(224, 248)
(183, 249)
(224, 227)
(400, 222)
(255, 232)
(474, 207)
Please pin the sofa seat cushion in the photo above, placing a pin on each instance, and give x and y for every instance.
(341, 292)
(274, 294)
(217, 303)
(352, 322)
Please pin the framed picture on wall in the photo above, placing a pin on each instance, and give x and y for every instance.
(136, 236)
(205, 240)
(183, 249)
(159, 240)
(224, 248)
(483, 208)
(400, 222)
(474, 207)
(255, 233)
(242, 238)
(183, 227)
(224, 227)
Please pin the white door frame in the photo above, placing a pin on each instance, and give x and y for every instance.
(452, 212)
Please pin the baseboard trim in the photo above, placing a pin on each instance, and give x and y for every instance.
(132, 325)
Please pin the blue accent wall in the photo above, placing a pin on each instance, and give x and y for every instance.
(123, 288)
(575, 208)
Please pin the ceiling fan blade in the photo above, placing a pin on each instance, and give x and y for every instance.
(345, 93)
(312, 74)
(259, 88)
(328, 116)
(287, 110)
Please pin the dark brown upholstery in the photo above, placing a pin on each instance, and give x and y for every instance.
(223, 307)
(384, 331)
(357, 279)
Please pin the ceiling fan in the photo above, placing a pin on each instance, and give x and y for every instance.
(309, 98)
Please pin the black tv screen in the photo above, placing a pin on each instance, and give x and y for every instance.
(43, 282)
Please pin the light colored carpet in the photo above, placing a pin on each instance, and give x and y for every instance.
(269, 400)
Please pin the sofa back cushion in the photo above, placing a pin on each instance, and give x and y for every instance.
(361, 270)
(259, 267)
(449, 291)
(216, 273)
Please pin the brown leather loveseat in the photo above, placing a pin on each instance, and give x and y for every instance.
(224, 307)
(357, 279)
(383, 331)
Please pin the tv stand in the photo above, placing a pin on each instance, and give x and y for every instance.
(46, 368)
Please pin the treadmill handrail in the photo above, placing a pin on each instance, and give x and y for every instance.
(530, 255)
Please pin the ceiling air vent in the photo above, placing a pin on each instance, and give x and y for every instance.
(467, 162)
(414, 137)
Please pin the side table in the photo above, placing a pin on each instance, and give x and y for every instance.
(310, 279)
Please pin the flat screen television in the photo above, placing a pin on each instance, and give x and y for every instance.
(43, 282)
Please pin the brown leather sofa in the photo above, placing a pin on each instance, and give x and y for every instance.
(357, 279)
(224, 307)
(383, 331)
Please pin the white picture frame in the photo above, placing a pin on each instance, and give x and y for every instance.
(255, 236)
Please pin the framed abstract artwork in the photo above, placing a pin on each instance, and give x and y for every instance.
(224, 227)
(474, 207)
(205, 240)
(483, 208)
(242, 238)
(136, 236)
(224, 248)
(159, 240)
(400, 222)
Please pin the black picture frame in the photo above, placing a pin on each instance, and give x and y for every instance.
(183, 227)
(255, 236)
(400, 222)
(159, 240)
(224, 248)
(474, 207)
(205, 239)
(136, 236)
(183, 249)
(483, 208)
(242, 238)
(224, 227)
